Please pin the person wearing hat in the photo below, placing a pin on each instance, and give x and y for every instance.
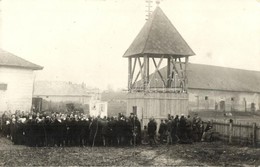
(175, 129)
(182, 128)
(152, 126)
(189, 128)
(162, 130)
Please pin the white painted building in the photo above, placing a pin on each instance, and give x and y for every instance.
(59, 91)
(219, 88)
(98, 108)
(16, 82)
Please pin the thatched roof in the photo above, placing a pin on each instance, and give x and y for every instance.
(159, 37)
(209, 77)
(10, 60)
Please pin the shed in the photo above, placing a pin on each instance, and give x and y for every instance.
(16, 82)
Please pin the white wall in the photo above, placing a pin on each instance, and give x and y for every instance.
(157, 105)
(98, 108)
(67, 98)
(18, 95)
(237, 104)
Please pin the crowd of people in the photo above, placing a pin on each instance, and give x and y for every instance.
(78, 129)
(183, 129)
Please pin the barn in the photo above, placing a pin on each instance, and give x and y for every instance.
(218, 88)
(16, 82)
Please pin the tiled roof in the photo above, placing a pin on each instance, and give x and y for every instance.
(10, 60)
(210, 77)
(159, 37)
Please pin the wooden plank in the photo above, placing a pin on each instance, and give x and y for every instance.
(129, 73)
(146, 65)
(137, 76)
(157, 69)
(168, 72)
(254, 134)
(133, 71)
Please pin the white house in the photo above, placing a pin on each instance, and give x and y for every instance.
(98, 108)
(16, 82)
(59, 91)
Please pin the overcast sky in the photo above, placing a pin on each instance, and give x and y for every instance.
(84, 40)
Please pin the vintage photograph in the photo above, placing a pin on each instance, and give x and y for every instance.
(129, 83)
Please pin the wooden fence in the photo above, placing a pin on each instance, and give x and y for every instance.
(239, 132)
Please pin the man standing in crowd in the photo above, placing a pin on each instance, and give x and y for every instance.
(162, 130)
(152, 126)
(175, 129)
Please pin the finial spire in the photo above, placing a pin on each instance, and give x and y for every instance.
(158, 2)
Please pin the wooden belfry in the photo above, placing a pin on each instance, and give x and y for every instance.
(158, 40)
(157, 94)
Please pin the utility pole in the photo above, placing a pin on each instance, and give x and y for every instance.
(1, 24)
(149, 9)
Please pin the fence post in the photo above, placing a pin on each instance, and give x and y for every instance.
(230, 131)
(254, 135)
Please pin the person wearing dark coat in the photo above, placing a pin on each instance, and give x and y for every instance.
(96, 132)
(137, 130)
(162, 130)
(13, 130)
(183, 129)
(30, 132)
(57, 127)
(196, 129)
(130, 132)
(112, 132)
(105, 132)
(68, 136)
(169, 131)
(189, 128)
(152, 126)
(121, 130)
(48, 131)
(84, 132)
(175, 130)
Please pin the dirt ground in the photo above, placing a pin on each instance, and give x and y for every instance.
(197, 154)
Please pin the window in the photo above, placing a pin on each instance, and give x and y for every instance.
(134, 110)
(3, 86)
(206, 97)
(232, 98)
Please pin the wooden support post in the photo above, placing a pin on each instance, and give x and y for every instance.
(240, 137)
(148, 71)
(137, 76)
(168, 72)
(230, 132)
(129, 73)
(185, 74)
(145, 81)
(254, 135)
(133, 71)
(157, 69)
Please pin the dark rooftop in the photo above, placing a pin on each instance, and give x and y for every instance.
(159, 37)
(210, 77)
(10, 60)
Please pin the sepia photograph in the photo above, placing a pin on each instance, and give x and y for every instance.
(130, 83)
